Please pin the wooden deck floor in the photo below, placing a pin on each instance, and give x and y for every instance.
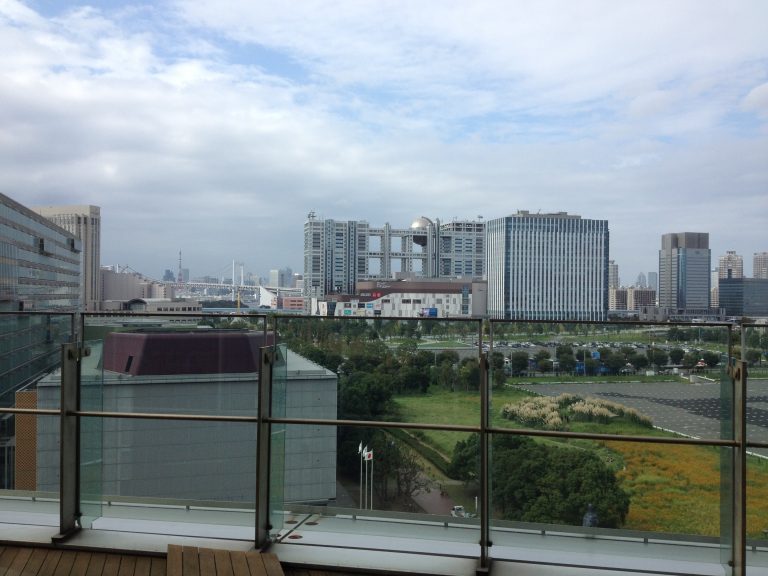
(22, 561)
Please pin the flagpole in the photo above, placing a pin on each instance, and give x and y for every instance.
(360, 453)
(371, 482)
(366, 483)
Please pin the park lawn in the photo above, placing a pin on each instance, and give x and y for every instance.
(460, 408)
(673, 488)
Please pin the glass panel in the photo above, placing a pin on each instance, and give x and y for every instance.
(380, 488)
(633, 504)
(628, 379)
(30, 358)
(756, 355)
(277, 442)
(186, 478)
(32, 465)
(175, 364)
(419, 370)
(727, 466)
(191, 365)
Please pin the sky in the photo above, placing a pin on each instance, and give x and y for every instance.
(213, 128)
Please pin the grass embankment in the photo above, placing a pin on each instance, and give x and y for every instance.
(672, 488)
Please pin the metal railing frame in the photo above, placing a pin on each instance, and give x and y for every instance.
(71, 413)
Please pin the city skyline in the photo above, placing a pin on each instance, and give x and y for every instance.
(214, 129)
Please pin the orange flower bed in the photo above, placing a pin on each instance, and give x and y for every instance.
(677, 489)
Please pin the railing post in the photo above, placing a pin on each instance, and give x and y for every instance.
(69, 454)
(263, 437)
(738, 374)
(485, 508)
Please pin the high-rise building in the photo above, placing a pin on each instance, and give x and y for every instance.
(282, 278)
(613, 275)
(653, 280)
(684, 269)
(744, 296)
(547, 267)
(39, 262)
(337, 254)
(714, 291)
(641, 282)
(84, 222)
(731, 265)
(40, 272)
(760, 265)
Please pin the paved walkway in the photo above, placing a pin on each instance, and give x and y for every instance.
(690, 409)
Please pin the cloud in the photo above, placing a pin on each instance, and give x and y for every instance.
(216, 127)
(757, 100)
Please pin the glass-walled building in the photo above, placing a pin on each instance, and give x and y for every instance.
(40, 262)
(547, 267)
(39, 272)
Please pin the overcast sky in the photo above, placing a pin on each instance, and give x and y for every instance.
(215, 127)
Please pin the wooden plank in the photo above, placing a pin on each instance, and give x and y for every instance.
(223, 563)
(111, 565)
(207, 562)
(19, 562)
(272, 564)
(190, 561)
(255, 563)
(65, 563)
(158, 568)
(127, 565)
(143, 566)
(7, 556)
(96, 564)
(80, 567)
(49, 564)
(174, 566)
(239, 563)
(32, 567)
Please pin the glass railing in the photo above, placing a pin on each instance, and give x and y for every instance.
(753, 348)
(30, 359)
(561, 443)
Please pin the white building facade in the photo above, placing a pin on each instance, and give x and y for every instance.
(547, 267)
(84, 223)
(337, 254)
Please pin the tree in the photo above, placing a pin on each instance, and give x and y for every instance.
(518, 362)
(639, 361)
(567, 363)
(676, 355)
(658, 357)
(753, 356)
(539, 483)
(711, 358)
(447, 356)
(614, 362)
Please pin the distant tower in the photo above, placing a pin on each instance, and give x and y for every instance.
(760, 265)
(684, 270)
(180, 277)
(653, 280)
(731, 265)
(613, 275)
(641, 281)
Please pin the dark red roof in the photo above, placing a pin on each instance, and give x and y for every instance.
(164, 353)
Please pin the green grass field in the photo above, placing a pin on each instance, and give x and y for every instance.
(672, 488)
